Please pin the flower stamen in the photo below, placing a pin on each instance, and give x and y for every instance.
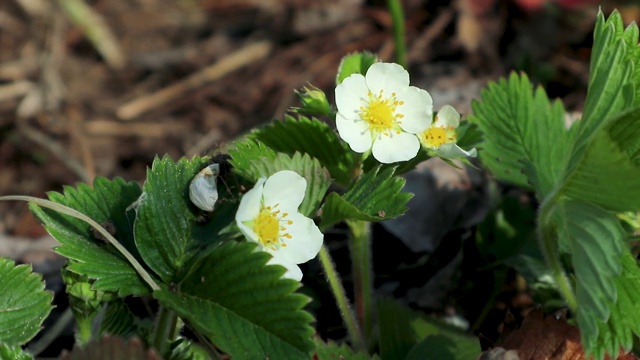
(380, 112)
(271, 227)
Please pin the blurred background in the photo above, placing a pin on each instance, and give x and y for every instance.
(101, 87)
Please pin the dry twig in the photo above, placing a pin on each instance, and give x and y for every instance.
(243, 57)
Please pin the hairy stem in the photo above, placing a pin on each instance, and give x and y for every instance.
(164, 330)
(547, 238)
(341, 298)
(397, 17)
(361, 262)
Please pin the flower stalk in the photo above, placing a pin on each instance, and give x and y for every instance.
(360, 243)
(341, 298)
(397, 18)
(164, 330)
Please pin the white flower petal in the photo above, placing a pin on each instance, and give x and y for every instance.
(453, 151)
(448, 116)
(248, 233)
(389, 77)
(394, 148)
(351, 94)
(355, 132)
(251, 202)
(306, 240)
(293, 271)
(417, 110)
(286, 188)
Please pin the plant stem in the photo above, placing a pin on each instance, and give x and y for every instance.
(361, 261)
(397, 17)
(341, 298)
(547, 238)
(164, 330)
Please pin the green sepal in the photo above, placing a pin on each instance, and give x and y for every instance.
(313, 101)
(377, 195)
(14, 352)
(355, 63)
(85, 303)
(24, 303)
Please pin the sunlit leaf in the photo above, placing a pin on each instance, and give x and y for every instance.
(525, 139)
(356, 63)
(313, 137)
(377, 195)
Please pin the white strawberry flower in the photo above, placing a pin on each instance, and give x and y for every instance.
(382, 113)
(268, 215)
(440, 137)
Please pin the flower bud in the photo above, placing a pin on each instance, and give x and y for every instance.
(313, 100)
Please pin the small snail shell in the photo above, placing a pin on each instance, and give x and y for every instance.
(203, 190)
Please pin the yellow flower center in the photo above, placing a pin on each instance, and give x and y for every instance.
(380, 113)
(434, 137)
(270, 226)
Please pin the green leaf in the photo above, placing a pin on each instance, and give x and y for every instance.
(166, 217)
(624, 321)
(449, 346)
(376, 196)
(596, 242)
(24, 304)
(401, 329)
(356, 63)
(244, 307)
(604, 169)
(333, 351)
(106, 203)
(614, 73)
(246, 151)
(317, 177)
(118, 320)
(13, 353)
(605, 155)
(313, 137)
(525, 140)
